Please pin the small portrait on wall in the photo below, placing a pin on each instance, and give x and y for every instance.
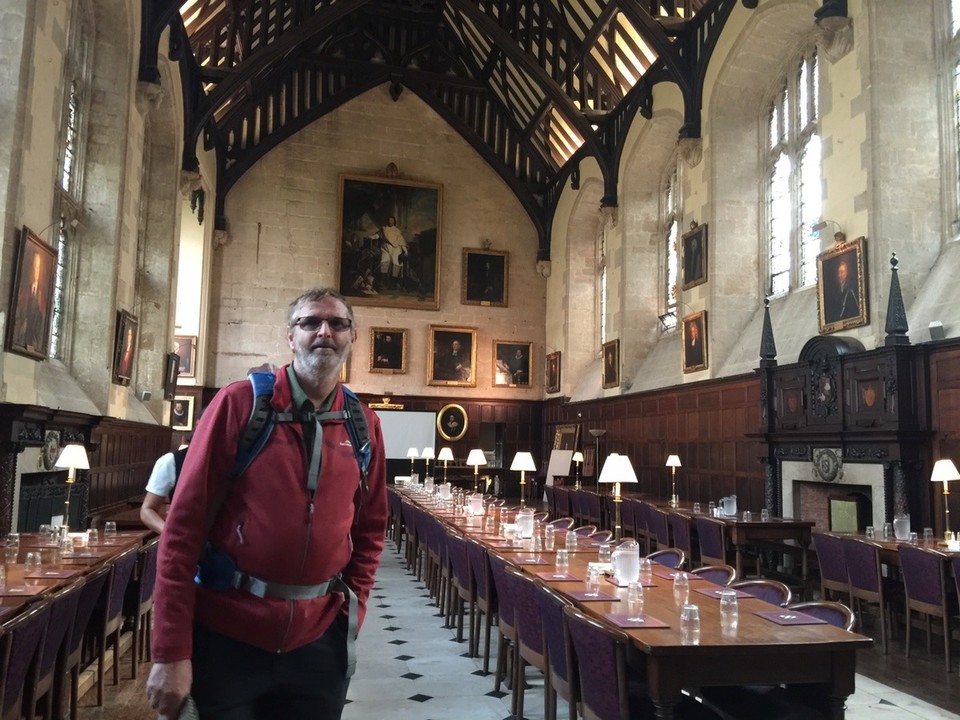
(511, 364)
(842, 286)
(693, 257)
(452, 422)
(453, 356)
(181, 413)
(695, 342)
(125, 347)
(611, 363)
(485, 274)
(388, 350)
(186, 347)
(29, 327)
(552, 374)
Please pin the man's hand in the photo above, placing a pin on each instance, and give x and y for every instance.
(168, 686)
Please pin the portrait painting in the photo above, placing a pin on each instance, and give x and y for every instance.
(181, 413)
(124, 347)
(693, 257)
(842, 286)
(552, 377)
(453, 356)
(388, 350)
(485, 277)
(170, 375)
(32, 301)
(611, 363)
(695, 342)
(185, 346)
(452, 422)
(565, 437)
(388, 252)
(511, 364)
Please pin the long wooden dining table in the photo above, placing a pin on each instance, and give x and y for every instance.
(774, 647)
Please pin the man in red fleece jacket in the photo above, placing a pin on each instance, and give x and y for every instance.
(304, 533)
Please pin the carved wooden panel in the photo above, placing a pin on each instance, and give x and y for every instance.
(790, 385)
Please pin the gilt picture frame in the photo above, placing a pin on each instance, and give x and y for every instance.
(694, 338)
(511, 364)
(388, 350)
(485, 277)
(125, 347)
(31, 304)
(552, 372)
(611, 364)
(693, 257)
(453, 356)
(842, 286)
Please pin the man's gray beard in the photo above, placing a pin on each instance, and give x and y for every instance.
(320, 366)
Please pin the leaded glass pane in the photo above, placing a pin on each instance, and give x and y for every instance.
(955, 15)
(56, 318)
(803, 103)
(780, 222)
(811, 209)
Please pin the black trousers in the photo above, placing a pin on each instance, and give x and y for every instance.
(236, 681)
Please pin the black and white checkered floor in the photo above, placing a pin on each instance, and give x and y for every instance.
(410, 667)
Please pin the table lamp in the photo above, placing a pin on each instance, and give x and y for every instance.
(413, 454)
(617, 469)
(73, 457)
(578, 458)
(446, 454)
(673, 462)
(523, 461)
(944, 471)
(476, 458)
(428, 456)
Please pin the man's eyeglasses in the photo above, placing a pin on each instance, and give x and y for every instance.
(312, 323)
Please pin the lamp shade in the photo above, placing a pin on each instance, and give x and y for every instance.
(617, 469)
(73, 456)
(578, 457)
(943, 470)
(413, 453)
(445, 454)
(427, 453)
(476, 457)
(673, 461)
(523, 461)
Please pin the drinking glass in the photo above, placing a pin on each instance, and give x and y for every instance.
(537, 541)
(690, 625)
(605, 553)
(887, 531)
(571, 541)
(109, 528)
(31, 563)
(3, 576)
(747, 516)
(549, 537)
(593, 582)
(696, 508)
(928, 536)
(92, 535)
(729, 611)
(10, 554)
(66, 545)
(646, 569)
(563, 560)
(869, 532)
(681, 588)
(901, 526)
(712, 508)
(635, 599)
(14, 539)
(913, 538)
(764, 515)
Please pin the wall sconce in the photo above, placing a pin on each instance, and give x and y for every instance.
(617, 469)
(839, 236)
(73, 457)
(476, 458)
(446, 454)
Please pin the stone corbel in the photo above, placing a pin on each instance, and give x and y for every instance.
(691, 151)
(190, 181)
(149, 96)
(609, 216)
(544, 268)
(220, 238)
(835, 37)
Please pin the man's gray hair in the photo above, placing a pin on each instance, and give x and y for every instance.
(316, 295)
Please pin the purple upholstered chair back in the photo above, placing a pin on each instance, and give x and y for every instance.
(506, 594)
(863, 564)
(480, 570)
(680, 526)
(562, 501)
(717, 574)
(673, 558)
(122, 572)
(63, 613)
(148, 570)
(601, 664)
(590, 507)
(955, 566)
(457, 555)
(771, 591)
(713, 546)
(526, 608)
(551, 494)
(924, 574)
(835, 613)
(90, 594)
(576, 505)
(830, 556)
(25, 634)
(659, 526)
(551, 604)
(563, 523)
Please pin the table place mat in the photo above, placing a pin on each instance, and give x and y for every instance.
(618, 583)
(715, 592)
(531, 560)
(626, 620)
(665, 573)
(55, 573)
(108, 543)
(89, 554)
(557, 577)
(586, 542)
(600, 596)
(15, 590)
(790, 617)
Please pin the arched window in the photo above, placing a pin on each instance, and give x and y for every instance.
(794, 186)
(69, 190)
(670, 229)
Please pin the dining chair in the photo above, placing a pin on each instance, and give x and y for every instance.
(561, 678)
(485, 597)
(641, 524)
(924, 573)
(109, 617)
(833, 612)
(541, 516)
(141, 605)
(867, 583)
(590, 507)
(575, 510)
(768, 590)
(91, 595)
(681, 528)
(562, 500)
(601, 535)
(717, 574)
(673, 558)
(712, 534)
(460, 593)
(610, 513)
(51, 654)
(22, 638)
(659, 527)
(585, 530)
(551, 494)
(833, 565)
(562, 523)
(506, 618)
(530, 647)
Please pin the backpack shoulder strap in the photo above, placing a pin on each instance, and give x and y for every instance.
(359, 432)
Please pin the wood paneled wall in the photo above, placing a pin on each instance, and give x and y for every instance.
(121, 462)
(944, 364)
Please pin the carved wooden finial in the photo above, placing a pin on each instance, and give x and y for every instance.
(896, 326)
(768, 346)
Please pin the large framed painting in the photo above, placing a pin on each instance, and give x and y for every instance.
(452, 422)
(693, 257)
(552, 375)
(695, 342)
(388, 251)
(388, 350)
(31, 304)
(566, 436)
(842, 286)
(453, 356)
(185, 346)
(611, 363)
(485, 277)
(511, 364)
(124, 347)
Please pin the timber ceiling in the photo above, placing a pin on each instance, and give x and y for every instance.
(533, 86)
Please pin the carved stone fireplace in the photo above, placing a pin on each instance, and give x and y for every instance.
(806, 494)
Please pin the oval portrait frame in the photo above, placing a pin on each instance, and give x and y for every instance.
(461, 425)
